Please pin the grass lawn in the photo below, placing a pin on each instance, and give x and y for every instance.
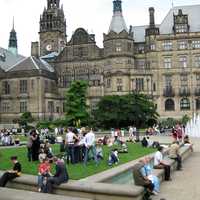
(77, 171)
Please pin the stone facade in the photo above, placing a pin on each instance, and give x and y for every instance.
(162, 61)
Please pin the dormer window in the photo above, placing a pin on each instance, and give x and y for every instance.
(3, 57)
(181, 23)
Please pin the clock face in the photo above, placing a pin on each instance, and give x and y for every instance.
(49, 47)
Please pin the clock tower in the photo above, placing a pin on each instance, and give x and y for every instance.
(52, 28)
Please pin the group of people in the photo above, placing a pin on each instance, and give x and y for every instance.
(6, 137)
(142, 171)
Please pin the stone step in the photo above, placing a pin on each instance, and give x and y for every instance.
(13, 194)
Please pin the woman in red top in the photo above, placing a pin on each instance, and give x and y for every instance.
(43, 172)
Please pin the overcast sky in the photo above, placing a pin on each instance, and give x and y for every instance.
(93, 15)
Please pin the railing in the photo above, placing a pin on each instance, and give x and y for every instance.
(168, 92)
(184, 92)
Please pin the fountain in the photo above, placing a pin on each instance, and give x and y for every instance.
(193, 127)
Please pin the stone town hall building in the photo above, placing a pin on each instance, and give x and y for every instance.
(160, 60)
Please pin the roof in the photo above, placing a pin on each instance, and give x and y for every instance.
(193, 13)
(166, 26)
(8, 59)
(118, 23)
(139, 33)
(50, 56)
(31, 63)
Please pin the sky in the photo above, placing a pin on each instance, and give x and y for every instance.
(93, 15)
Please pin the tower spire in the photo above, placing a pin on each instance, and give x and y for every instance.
(12, 47)
(118, 23)
(13, 28)
(117, 6)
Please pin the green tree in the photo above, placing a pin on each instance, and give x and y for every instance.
(76, 109)
(121, 111)
(26, 118)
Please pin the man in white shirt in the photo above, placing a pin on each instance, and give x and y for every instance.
(160, 164)
(89, 143)
(69, 142)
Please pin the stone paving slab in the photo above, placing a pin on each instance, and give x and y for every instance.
(12, 194)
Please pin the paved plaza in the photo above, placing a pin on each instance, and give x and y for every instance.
(185, 184)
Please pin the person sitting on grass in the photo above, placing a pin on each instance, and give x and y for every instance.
(43, 173)
(144, 142)
(113, 157)
(124, 148)
(11, 174)
(61, 175)
(99, 151)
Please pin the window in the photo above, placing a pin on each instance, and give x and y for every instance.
(154, 87)
(119, 85)
(198, 80)
(23, 107)
(23, 86)
(152, 47)
(184, 80)
(139, 84)
(198, 104)
(182, 44)
(196, 44)
(65, 83)
(58, 109)
(167, 63)
(197, 61)
(32, 84)
(167, 45)
(129, 46)
(5, 107)
(183, 61)
(118, 47)
(169, 105)
(108, 83)
(6, 87)
(50, 106)
(168, 81)
(185, 104)
(181, 28)
(140, 64)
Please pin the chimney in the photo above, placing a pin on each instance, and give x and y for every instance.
(152, 17)
(35, 49)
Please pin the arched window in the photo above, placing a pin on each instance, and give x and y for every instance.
(185, 104)
(169, 105)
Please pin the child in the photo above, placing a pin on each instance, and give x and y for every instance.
(113, 157)
(99, 151)
(42, 155)
(43, 172)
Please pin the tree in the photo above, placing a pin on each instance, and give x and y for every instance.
(121, 111)
(25, 119)
(76, 109)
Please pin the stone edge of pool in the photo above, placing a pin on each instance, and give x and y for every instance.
(95, 187)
